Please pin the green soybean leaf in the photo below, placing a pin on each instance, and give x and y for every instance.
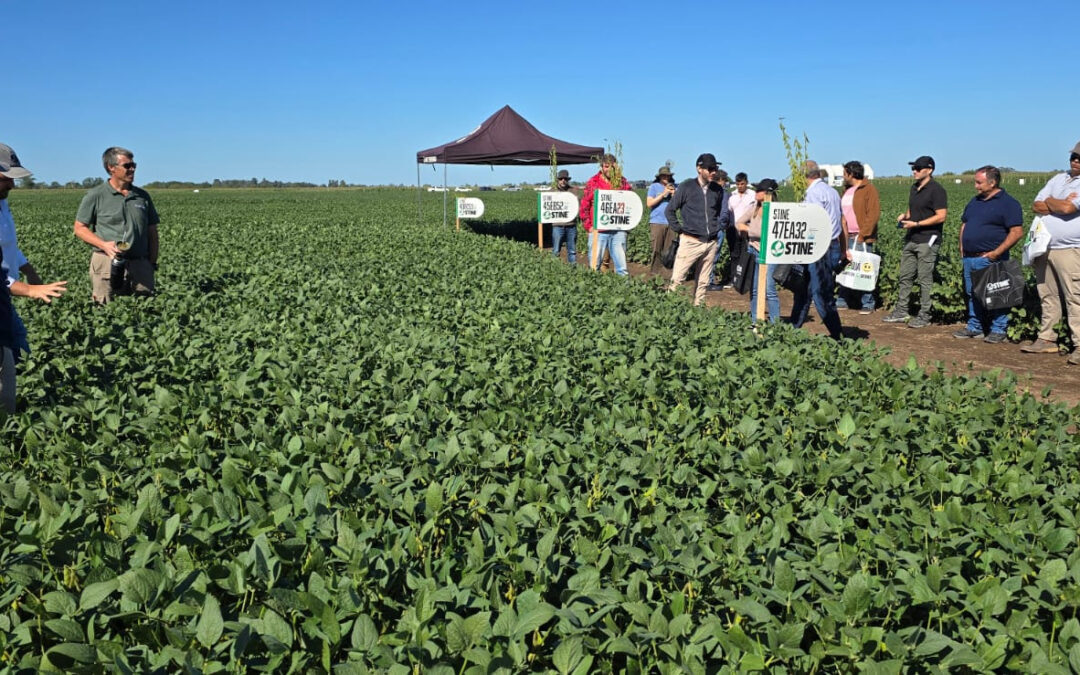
(94, 594)
(210, 625)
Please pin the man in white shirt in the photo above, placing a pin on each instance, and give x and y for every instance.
(822, 272)
(1057, 272)
(12, 332)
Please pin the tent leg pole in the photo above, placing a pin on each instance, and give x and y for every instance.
(444, 195)
(419, 215)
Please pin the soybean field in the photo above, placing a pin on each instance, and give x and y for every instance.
(344, 438)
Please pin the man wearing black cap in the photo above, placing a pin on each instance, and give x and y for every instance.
(923, 222)
(698, 213)
(565, 232)
(1057, 272)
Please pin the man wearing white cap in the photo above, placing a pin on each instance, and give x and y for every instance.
(12, 261)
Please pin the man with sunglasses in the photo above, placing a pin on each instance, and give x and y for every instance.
(119, 220)
(923, 223)
(698, 212)
(1057, 272)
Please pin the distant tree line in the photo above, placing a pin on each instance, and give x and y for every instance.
(29, 183)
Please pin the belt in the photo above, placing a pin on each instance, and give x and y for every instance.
(126, 257)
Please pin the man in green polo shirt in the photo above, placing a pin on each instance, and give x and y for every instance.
(119, 220)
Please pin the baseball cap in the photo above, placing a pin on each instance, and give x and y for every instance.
(924, 162)
(9, 163)
(766, 185)
(707, 160)
(563, 174)
(1076, 148)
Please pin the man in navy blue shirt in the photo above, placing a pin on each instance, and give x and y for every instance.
(992, 222)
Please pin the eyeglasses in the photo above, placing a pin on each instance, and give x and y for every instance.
(128, 165)
(1074, 157)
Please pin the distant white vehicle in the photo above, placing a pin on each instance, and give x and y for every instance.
(436, 189)
(512, 188)
(836, 173)
(462, 189)
(542, 188)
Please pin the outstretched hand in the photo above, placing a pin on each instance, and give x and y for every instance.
(46, 292)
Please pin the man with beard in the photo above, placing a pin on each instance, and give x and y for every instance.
(698, 213)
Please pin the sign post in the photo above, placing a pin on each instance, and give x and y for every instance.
(792, 233)
(469, 208)
(614, 210)
(555, 207)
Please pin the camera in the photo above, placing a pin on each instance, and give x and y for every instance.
(118, 268)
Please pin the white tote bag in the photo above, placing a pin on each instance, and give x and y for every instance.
(862, 272)
(1038, 239)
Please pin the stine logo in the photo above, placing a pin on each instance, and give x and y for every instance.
(786, 234)
(556, 209)
(612, 212)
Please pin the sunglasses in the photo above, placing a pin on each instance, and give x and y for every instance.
(128, 165)
(1074, 157)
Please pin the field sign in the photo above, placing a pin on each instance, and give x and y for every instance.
(469, 207)
(617, 210)
(793, 233)
(555, 207)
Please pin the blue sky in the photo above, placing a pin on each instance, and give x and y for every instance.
(352, 90)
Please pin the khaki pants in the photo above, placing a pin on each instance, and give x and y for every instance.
(691, 252)
(140, 277)
(1057, 275)
(7, 381)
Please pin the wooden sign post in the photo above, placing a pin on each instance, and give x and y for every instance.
(614, 210)
(791, 233)
(557, 207)
(469, 208)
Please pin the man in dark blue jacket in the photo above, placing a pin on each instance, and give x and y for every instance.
(699, 214)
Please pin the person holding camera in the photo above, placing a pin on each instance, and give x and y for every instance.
(660, 233)
(119, 220)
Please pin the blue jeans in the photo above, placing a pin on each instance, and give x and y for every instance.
(613, 241)
(772, 298)
(980, 318)
(822, 284)
(845, 297)
(568, 234)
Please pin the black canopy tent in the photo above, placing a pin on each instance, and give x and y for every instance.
(505, 138)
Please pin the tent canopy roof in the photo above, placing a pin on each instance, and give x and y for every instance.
(507, 138)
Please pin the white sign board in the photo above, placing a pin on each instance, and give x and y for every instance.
(469, 207)
(793, 233)
(617, 210)
(556, 207)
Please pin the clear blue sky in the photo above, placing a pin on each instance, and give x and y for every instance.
(352, 90)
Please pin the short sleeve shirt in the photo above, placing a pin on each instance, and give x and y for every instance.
(658, 216)
(987, 222)
(922, 205)
(1064, 230)
(116, 217)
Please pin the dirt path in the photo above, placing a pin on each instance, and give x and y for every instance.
(930, 345)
